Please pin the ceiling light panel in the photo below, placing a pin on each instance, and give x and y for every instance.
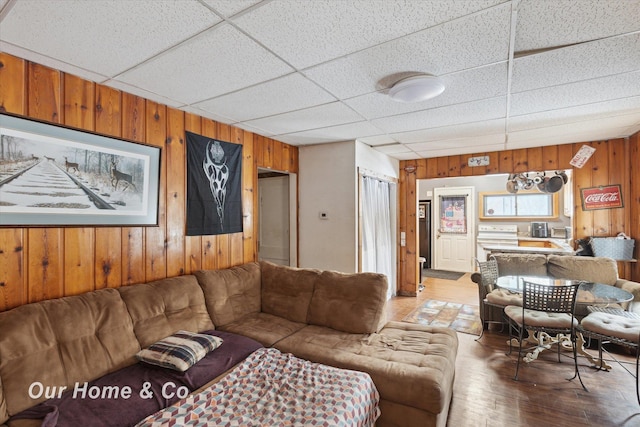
(138, 28)
(544, 24)
(478, 39)
(223, 70)
(461, 87)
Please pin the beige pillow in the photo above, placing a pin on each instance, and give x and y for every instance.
(287, 291)
(592, 269)
(353, 303)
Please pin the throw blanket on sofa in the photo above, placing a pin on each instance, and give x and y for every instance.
(272, 388)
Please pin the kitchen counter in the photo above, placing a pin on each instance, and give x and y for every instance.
(559, 247)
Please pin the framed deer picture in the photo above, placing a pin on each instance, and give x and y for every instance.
(55, 176)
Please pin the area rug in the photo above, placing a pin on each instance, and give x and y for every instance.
(442, 274)
(461, 317)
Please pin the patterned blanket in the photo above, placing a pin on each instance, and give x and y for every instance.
(271, 388)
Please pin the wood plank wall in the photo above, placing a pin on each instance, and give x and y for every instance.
(614, 162)
(44, 263)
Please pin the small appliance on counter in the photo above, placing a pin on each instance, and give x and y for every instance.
(561, 232)
(539, 229)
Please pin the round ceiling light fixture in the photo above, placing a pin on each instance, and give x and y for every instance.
(416, 89)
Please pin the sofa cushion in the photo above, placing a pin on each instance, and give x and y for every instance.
(179, 351)
(287, 291)
(265, 328)
(72, 339)
(165, 306)
(349, 302)
(232, 293)
(592, 269)
(521, 264)
(410, 364)
(120, 411)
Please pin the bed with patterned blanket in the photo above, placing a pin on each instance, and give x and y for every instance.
(272, 388)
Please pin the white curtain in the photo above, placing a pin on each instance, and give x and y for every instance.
(377, 248)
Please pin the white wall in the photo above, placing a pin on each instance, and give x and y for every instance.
(328, 183)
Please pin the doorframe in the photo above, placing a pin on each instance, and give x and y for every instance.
(293, 214)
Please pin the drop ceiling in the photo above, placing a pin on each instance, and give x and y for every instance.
(518, 73)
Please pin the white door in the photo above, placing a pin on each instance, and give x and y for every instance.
(454, 225)
(273, 244)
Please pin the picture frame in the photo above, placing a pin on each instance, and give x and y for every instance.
(422, 210)
(51, 175)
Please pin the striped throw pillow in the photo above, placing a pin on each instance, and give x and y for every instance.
(179, 351)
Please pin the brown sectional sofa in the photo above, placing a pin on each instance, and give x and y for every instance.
(323, 316)
(592, 269)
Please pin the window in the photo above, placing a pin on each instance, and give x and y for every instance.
(519, 205)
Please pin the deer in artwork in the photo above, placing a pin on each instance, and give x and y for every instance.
(70, 165)
(117, 176)
(34, 157)
(50, 158)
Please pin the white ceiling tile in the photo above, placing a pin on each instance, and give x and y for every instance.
(51, 62)
(574, 94)
(288, 93)
(575, 132)
(580, 113)
(346, 27)
(224, 69)
(493, 108)
(393, 149)
(106, 37)
(333, 114)
(461, 87)
(377, 140)
(143, 93)
(404, 156)
(544, 24)
(486, 127)
(228, 8)
(586, 61)
(349, 131)
(460, 150)
(208, 115)
(458, 143)
(477, 40)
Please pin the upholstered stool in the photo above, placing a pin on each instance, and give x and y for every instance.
(621, 327)
(504, 297)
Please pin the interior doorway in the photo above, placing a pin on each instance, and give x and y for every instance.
(277, 217)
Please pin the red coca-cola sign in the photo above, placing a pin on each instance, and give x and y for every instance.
(605, 197)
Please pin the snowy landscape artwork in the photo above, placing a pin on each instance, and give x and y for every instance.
(51, 175)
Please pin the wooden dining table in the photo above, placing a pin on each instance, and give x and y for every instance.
(589, 294)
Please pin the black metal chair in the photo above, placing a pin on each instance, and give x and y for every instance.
(547, 314)
(486, 283)
(610, 325)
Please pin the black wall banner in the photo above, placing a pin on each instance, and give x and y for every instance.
(214, 186)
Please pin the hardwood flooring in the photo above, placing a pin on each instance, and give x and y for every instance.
(485, 393)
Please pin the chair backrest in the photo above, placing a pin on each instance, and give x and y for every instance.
(550, 298)
(488, 272)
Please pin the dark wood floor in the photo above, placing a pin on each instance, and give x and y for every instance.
(485, 393)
